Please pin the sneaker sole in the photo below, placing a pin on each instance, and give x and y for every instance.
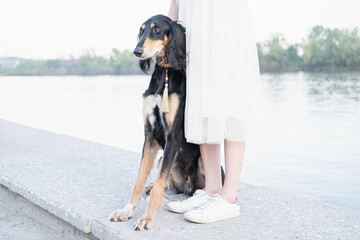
(175, 210)
(211, 220)
(181, 211)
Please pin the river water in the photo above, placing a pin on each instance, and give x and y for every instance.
(308, 141)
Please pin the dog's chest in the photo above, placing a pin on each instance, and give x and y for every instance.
(153, 115)
(151, 109)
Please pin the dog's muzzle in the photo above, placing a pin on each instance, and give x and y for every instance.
(138, 52)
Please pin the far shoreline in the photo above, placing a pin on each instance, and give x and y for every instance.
(334, 71)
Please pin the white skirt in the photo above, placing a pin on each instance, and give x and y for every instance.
(223, 79)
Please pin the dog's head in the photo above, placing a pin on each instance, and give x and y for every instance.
(160, 36)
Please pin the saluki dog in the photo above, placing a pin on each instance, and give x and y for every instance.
(181, 166)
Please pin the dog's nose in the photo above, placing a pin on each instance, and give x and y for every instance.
(138, 52)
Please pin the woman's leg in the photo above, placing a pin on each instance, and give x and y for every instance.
(219, 209)
(234, 155)
(210, 155)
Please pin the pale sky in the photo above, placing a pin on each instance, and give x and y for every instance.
(58, 28)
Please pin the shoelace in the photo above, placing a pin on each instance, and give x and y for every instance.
(213, 200)
(197, 192)
(207, 205)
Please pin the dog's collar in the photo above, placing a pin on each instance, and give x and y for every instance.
(162, 62)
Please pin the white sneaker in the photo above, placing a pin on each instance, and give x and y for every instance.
(198, 199)
(215, 210)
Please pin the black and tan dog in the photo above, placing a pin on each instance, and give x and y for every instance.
(164, 104)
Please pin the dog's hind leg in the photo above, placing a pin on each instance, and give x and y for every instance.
(150, 149)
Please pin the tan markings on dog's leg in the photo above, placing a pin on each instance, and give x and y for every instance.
(150, 150)
(147, 221)
(143, 27)
(157, 193)
(145, 167)
(152, 25)
(174, 101)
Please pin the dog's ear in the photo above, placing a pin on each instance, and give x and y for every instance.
(176, 48)
(145, 65)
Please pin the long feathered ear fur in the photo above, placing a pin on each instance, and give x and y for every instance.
(145, 65)
(176, 49)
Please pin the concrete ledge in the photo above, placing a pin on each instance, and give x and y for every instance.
(39, 223)
(82, 182)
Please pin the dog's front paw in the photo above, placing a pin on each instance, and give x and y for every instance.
(123, 214)
(144, 223)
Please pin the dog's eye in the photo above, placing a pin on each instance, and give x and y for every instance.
(156, 29)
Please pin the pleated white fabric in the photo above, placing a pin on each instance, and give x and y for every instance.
(223, 79)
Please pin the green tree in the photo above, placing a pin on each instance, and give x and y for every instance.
(124, 62)
(53, 66)
(293, 61)
(349, 50)
(275, 56)
(91, 64)
(324, 49)
(2, 70)
(332, 49)
(276, 52)
(28, 67)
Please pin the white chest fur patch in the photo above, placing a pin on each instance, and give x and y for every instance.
(148, 108)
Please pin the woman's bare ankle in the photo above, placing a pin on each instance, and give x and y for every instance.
(211, 192)
(230, 198)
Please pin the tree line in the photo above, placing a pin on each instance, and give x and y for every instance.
(119, 63)
(324, 49)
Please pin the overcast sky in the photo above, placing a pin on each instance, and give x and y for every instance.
(56, 28)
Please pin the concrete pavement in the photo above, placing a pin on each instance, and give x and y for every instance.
(81, 183)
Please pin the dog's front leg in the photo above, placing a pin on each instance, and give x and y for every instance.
(147, 221)
(150, 148)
